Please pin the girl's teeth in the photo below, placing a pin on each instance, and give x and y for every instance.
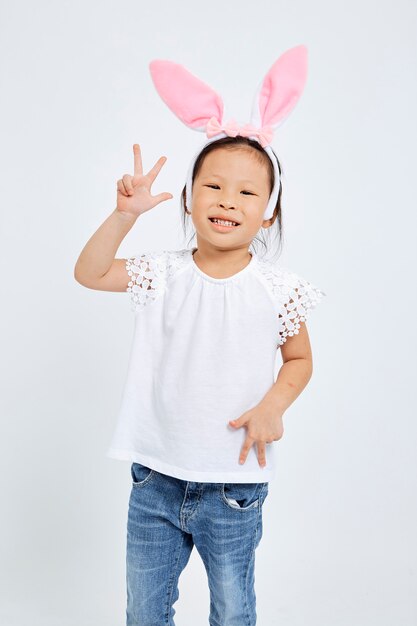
(224, 223)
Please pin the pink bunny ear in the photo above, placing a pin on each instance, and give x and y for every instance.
(281, 88)
(187, 96)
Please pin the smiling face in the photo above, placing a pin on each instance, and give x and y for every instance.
(234, 185)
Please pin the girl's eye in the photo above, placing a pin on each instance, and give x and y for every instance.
(248, 192)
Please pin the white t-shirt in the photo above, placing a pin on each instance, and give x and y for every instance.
(203, 353)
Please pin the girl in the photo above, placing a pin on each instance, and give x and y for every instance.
(200, 407)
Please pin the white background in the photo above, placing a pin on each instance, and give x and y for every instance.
(339, 543)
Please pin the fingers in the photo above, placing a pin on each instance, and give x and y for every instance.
(261, 453)
(163, 196)
(247, 446)
(137, 164)
(121, 187)
(124, 185)
(137, 160)
(127, 181)
(153, 173)
(245, 449)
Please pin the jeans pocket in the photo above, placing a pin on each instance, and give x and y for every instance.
(141, 474)
(244, 496)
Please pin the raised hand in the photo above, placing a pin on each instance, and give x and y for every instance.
(134, 192)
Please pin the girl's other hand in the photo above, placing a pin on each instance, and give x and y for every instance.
(134, 192)
(264, 425)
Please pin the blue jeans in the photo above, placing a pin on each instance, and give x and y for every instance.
(166, 517)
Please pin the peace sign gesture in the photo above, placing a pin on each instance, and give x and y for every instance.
(134, 192)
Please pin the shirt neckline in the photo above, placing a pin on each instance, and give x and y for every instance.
(221, 280)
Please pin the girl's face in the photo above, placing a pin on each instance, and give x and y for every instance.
(232, 185)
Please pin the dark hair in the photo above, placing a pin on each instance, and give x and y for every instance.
(230, 143)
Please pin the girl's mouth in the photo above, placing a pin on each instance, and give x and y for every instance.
(223, 225)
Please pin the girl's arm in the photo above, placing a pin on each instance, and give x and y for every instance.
(295, 372)
(96, 266)
(264, 421)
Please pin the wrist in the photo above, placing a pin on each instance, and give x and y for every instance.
(125, 217)
(274, 403)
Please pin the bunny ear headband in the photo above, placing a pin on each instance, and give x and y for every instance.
(201, 108)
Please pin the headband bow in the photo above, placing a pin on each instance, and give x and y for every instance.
(232, 128)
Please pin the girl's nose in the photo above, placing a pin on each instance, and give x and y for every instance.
(226, 204)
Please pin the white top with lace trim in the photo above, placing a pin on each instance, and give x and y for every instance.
(203, 353)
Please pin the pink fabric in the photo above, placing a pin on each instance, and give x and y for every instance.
(214, 127)
(187, 96)
(197, 105)
(282, 86)
(232, 128)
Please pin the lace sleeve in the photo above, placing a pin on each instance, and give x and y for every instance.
(296, 297)
(147, 278)
(293, 296)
